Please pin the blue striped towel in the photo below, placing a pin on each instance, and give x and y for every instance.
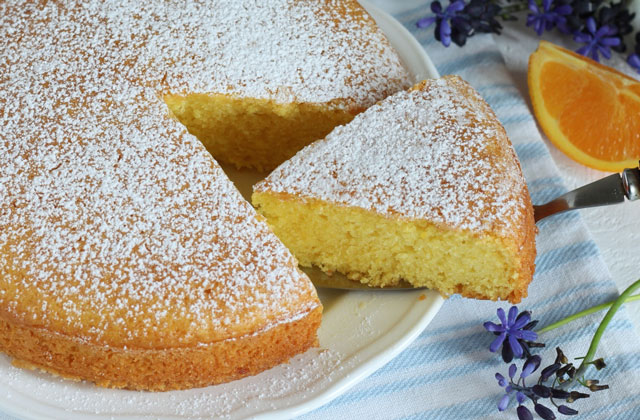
(448, 372)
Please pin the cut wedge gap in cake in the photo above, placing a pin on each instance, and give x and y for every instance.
(281, 76)
(424, 187)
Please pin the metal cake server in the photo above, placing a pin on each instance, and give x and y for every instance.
(612, 189)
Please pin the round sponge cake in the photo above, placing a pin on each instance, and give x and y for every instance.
(127, 257)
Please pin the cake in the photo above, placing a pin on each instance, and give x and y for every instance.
(279, 74)
(127, 257)
(423, 187)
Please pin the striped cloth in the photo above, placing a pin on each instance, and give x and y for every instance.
(448, 372)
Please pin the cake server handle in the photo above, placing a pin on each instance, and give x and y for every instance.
(612, 189)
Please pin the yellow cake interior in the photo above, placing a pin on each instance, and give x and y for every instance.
(244, 131)
(355, 241)
(423, 187)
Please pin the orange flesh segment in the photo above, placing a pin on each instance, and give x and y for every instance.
(590, 112)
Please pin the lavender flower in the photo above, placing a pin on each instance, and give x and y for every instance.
(514, 334)
(596, 40)
(530, 366)
(561, 373)
(524, 413)
(445, 20)
(516, 385)
(546, 18)
(553, 380)
(634, 61)
(617, 16)
(502, 381)
(521, 391)
(567, 411)
(601, 26)
(482, 16)
(544, 412)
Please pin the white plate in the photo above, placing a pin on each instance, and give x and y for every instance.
(360, 332)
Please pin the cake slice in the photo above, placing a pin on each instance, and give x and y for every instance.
(279, 74)
(113, 272)
(423, 187)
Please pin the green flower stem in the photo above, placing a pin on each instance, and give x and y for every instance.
(586, 312)
(614, 306)
(515, 7)
(603, 325)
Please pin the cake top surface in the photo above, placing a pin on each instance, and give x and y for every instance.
(436, 152)
(116, 225)
(290, 50)
(285, 50)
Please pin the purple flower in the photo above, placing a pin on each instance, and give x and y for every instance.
(535, 393)
(634, 61)
(546, 18)
(514, 334)
(502, 381)
(524, 413)
(504, 402)
(482, 16)
(508, 389)
(618, 16)
(567, 411)
(445, 20)
(549, 370)
(544, 412)
(530, 366)
(512, 370)
(596, 40)
(541, 391)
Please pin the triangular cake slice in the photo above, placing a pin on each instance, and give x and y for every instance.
(423, 187)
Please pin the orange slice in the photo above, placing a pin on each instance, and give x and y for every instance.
(589, 111)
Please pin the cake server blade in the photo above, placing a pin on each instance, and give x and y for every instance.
(612, 189)
(339, 281)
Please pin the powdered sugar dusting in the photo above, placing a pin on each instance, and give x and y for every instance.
(305, 51)
(110, 212)
(283, 50)
(437, 154)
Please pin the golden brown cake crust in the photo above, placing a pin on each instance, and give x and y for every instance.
(527, 250)
(159, 369)
(523, 229)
